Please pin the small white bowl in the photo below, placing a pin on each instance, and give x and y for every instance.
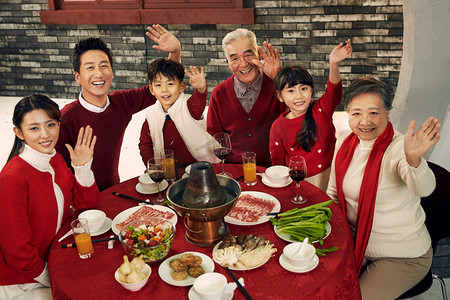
(137, 285)
(303, 260)
(210, 286)
(277, 174)
(95, 217)
(146, 182)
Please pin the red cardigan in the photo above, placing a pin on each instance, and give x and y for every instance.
(248, 131)
(172, 138)
(109, 127)
(284, 133)
(29, 212)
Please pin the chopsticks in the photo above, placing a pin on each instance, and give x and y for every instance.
(131, 198)
(247, 296)
(273, 213)
(94, 241)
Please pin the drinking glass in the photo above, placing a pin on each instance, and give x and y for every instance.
(80, 229)
(156, 168)
(297, 172)
(169, 160)
(249, 166)
(222, 149)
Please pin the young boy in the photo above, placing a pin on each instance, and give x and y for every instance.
(107, 114)
(176, 120)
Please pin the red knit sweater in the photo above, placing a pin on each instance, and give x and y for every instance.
(109, 127)
(248, 131)
(284, 133)
(172, 138)
(29, 212)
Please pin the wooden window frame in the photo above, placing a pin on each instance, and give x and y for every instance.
(146, 12)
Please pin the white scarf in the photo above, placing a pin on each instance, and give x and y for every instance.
(193, 132)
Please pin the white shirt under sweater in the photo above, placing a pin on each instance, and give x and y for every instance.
(398, 228)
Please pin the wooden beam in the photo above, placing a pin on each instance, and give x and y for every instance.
(150, 16)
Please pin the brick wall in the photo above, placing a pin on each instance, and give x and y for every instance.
(37, 58)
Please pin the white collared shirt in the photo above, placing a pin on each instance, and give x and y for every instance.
(90, 107)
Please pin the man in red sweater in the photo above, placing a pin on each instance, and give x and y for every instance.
(245, 105)
(107, 114)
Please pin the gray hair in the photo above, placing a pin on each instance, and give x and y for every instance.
(238, 34)
(367, 85)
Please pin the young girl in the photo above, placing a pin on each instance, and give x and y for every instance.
(307, 128)
(36, 191)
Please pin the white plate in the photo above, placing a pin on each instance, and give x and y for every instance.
(105, 227)
(216, 247)
(163, 185)
(185, 175)
(287, 237)
(274, 185)
(122, 216)
(264, 218)
(165, 271)
(227, 295)
(288, 266)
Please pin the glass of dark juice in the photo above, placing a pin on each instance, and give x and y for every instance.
(297, 172)
(156, 168)
(222, 149)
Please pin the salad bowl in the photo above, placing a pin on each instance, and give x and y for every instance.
(150, 237)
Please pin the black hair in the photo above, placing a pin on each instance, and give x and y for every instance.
(26, 105)
(368, 85)
(166, 67)
(89, 44)
(291, 76)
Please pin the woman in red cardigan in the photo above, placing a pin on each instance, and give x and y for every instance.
(36, 191)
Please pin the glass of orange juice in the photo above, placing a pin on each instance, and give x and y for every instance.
(82, 237)
(169, 160)
(249, 164)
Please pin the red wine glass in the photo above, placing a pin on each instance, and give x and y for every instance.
(156, 168)
(222, 149)
(297, 172)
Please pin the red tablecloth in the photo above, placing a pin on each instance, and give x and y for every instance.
(334, 278)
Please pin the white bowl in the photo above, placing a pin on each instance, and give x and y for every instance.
(146, 182)
(210, 286)
(303, 260)
(95, 217)
(277, 174)
(137, 285)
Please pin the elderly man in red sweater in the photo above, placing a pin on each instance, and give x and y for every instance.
(107, 114)
(245, 105)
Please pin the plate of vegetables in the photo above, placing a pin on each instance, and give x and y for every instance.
(296, 224)
(243, 252)
(151, 238)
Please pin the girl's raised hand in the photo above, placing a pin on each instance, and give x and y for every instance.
(197, 79)
(341, 52)
(272, 61)
(84, 149)
(418, 143)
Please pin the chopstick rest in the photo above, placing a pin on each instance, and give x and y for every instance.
(94, 241)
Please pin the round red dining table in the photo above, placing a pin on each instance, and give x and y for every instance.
(334, 278)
